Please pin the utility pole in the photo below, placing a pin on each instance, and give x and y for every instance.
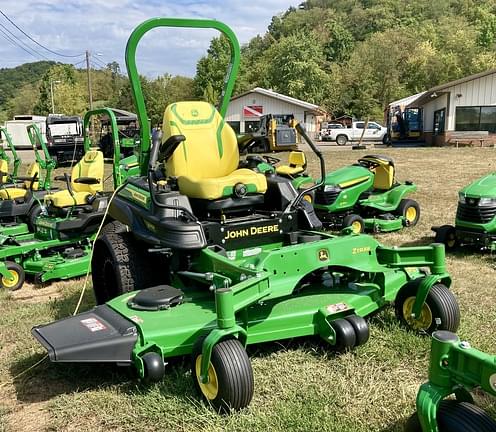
(51, 93)
(88, 73)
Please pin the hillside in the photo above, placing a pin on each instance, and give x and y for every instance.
(12, 79)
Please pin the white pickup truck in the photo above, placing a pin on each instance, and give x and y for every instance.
(374, 132)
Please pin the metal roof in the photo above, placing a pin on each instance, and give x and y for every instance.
(284, 98)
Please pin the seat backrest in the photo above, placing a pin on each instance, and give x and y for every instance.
(383, 176)
(210, 149)
(4, 168)
(33, 169)
(297, 159)
(91, 165)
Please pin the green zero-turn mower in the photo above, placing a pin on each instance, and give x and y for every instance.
(475, 222)
(60, 246)
(21, 198)
(363, 196)
(215, 257)
(455, 369)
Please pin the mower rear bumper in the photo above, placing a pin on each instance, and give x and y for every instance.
(99, 335)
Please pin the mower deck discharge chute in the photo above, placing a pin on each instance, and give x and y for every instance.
(364, 196)
(217, 256)
(21, 197)
(60, 246)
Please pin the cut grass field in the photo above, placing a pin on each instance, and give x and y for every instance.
(300, 385)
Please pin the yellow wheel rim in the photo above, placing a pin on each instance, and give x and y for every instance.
(357, 227)
(411, 214)
(424, 321)
(11, 283)
(210, 388)
(451, 241)
(308, 198)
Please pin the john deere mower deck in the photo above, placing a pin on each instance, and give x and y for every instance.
(217, 256)
(455, 369)
(21, 197)
(61, 244)
(364, 196)
(475, 222)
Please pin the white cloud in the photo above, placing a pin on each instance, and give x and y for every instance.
(103, 26)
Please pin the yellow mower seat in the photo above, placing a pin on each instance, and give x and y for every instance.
(19, 192)
(91, 165)
(297, 164)
(206, 163)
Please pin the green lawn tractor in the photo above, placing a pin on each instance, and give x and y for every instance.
(21, 197)
(211, 257)
(475, 222)
(363, 196)
(455, 369)
(60, 246)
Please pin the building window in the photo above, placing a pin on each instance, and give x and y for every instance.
(235, 125)
(252, 126)
(439, 120)
(476, 118)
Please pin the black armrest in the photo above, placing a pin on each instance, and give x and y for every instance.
(87, 180)
(169, 146)
(62, 177)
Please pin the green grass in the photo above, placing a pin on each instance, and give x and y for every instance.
(300, 385)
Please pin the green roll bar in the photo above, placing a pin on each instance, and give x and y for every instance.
(116, 172)
(134, 78)
(4, 156)
(46, 163)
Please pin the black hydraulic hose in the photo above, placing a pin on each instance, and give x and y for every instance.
(153, 158)
(314, 148)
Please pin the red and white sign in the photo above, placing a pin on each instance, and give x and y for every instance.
(252, 110)
(93, 325)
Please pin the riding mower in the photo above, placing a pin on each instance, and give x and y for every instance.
(475, 222)
(363, 196)
(455, 369)
(60, 246)
(21, 197)
(212, 257)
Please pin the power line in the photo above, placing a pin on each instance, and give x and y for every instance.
(13, 42)
(22, 42)
(98, 63)
(79, 62)
(35, 41)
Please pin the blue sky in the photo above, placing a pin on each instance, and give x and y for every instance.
(103, 26)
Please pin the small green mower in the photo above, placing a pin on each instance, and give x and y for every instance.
(363, 196)
(475, 222)
(60, 246)
(455, 369)
(21, 197)
(212, 256)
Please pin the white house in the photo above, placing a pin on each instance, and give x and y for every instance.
(246, 108)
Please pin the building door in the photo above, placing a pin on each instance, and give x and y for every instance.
(439, 121)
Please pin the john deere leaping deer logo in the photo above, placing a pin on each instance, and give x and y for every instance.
(194, 112)
(323, 255)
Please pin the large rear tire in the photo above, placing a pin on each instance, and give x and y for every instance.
(446, 235)
(33, 214)
(119, 265)
(454, 416)
(439, 312)
(231, 384)
(354, 221)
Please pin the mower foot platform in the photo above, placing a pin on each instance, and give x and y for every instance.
(99, 335)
